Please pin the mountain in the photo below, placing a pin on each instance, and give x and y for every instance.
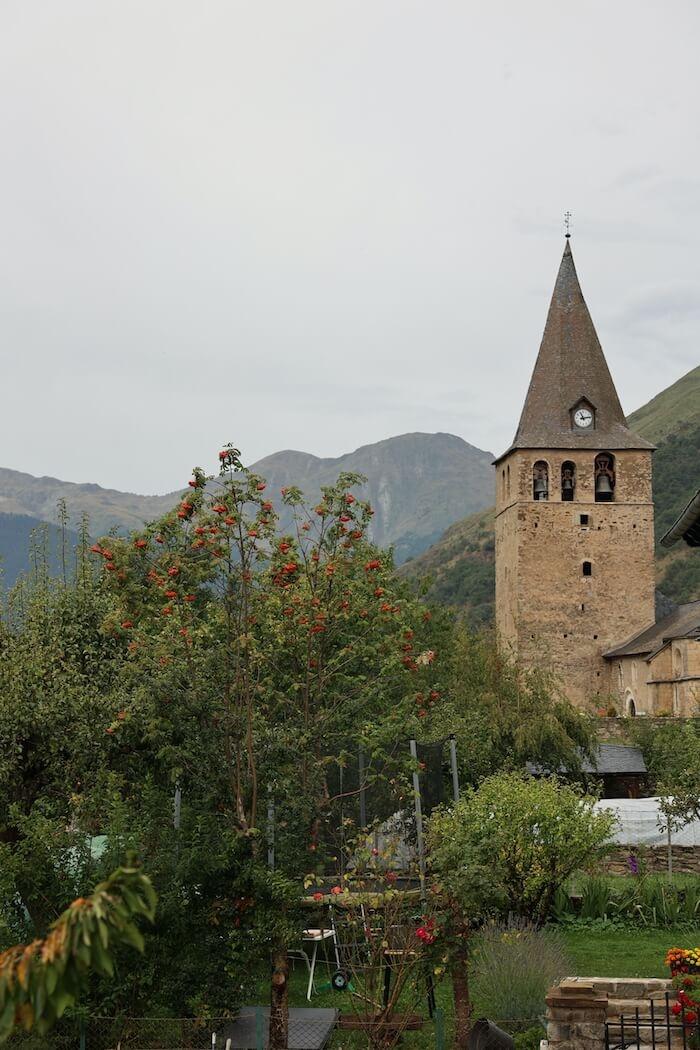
(675, 407)
(460, 566)
(418, 484)
(20, 533)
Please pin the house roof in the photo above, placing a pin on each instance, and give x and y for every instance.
(571, 368)
(687, 525)
(615, 758)
(683, 622)
(608, 759)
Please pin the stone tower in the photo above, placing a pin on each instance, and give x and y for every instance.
(574, 514)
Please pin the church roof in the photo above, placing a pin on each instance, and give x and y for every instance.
(686, 525)
(570, 368)
(683, 622)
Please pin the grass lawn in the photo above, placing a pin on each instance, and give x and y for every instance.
(624, 953)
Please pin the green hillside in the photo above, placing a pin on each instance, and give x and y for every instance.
(459, 568)
(664, 414)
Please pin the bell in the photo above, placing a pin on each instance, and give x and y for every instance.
(603, 486)
(540, 488)
(567, 483)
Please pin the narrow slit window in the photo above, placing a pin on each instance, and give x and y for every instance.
(587, 568)
(583, 520)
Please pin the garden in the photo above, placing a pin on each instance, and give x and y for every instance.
(232, 727)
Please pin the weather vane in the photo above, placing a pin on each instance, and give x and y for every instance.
(567, 224)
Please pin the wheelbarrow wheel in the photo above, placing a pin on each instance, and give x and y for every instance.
(339, 981)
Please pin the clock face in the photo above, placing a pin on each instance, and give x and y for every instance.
(583, 417)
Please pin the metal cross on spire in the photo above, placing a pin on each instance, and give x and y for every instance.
(567, 224)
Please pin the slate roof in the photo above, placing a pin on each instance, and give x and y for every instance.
(571, 367)
(683, 622)
(608, 759)
(687, 525)
(615, 758)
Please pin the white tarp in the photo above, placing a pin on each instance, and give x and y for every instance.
(640, 822)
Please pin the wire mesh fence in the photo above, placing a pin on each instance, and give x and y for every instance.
(328, 1029)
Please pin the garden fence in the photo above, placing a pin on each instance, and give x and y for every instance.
(657, 1027)
(159, 1033)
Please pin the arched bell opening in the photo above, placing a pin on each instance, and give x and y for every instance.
(540, 480)
(568, 481)
(604, 477)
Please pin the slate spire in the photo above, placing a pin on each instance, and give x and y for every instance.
(570, 369)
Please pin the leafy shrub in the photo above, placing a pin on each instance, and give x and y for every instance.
(649, 900)
(513, 966)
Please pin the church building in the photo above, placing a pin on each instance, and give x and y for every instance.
(574, 512)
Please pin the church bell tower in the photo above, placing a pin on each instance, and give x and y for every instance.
(574, 512)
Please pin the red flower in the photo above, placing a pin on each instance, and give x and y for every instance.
(109, 730)
(391, 876)
(106, 554)
(336, 890)
(126, 624)
(189, 597)
(167, 610)
(373, 565)
(317, 629)
(173, 570)
(261, 486)
(253, 533)
(110, 566)
(349, 498)
(690, 1017)
(345, 517)
(379, 592)
(140, 543)
(306, 526)
(267, 506)
(230, 520)
(171, 594)
(220, 508)
(356, 535)
(96, 549)
(676, 1009)
(159, 539)
(318, 896)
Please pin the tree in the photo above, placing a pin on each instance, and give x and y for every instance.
(40, 980)
(504, 717)
(672, 754)
(254, 660)
(504, 849)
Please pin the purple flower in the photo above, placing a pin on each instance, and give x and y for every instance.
(633, 864)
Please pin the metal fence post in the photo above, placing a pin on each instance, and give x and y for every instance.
(83, 1040)
(259, 1044)
(439, 1018)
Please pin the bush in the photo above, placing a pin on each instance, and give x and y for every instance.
(514, 965)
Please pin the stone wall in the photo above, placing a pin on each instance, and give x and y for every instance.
(618, 730)
(547, 610)
(654, 860)
(579, 1007)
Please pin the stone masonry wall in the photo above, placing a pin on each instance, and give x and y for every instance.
(547, 611)
(579, 1007)
(686, 860)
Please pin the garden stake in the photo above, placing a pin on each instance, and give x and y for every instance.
(439, 1016)
(453, 767)
(419, 821)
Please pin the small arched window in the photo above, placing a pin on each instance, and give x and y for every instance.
(540, 480)
(568, 481)
(604, 477)
(587, 568)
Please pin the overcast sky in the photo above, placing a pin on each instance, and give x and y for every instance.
(314, 224)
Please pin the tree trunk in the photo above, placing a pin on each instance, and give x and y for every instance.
(463, 1006)
(279, 1000)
